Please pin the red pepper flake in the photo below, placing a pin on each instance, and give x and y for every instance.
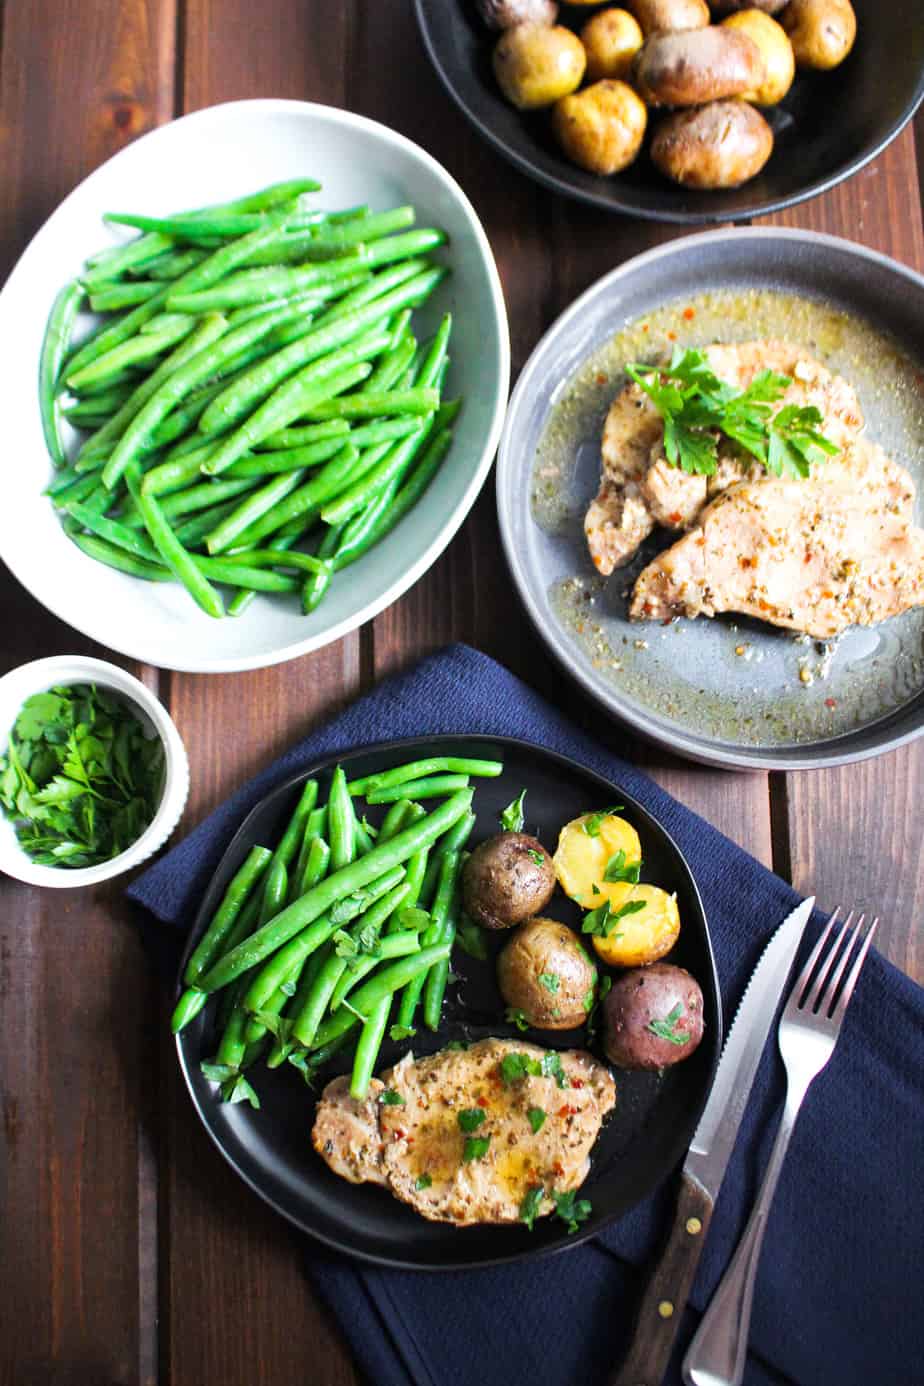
(601, 378)
(481, 1101)
(567, 1111)
(675, 517)
(399, 1134)
(558, 1168)
(672, 336)
(831, 702)
(689, 314)
(577, 1082)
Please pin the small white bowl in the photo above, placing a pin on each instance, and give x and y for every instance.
(38, 677)
(211, 156)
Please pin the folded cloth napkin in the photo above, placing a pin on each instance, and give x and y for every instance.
(839, 1287)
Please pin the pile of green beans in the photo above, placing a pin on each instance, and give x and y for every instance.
(316, 944)
(256, 412)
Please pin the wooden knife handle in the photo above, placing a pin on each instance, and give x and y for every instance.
(667, 1291)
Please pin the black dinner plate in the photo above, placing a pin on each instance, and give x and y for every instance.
(641, 1141)
(828, 127)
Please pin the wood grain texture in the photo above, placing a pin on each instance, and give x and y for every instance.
(76, 1177)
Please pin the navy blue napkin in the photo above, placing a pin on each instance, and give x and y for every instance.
(839, 1288)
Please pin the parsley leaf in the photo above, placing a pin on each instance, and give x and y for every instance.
(512, 818)
(514, 1016)
(795, 442)
(535, 856)
(515, 1066)
(390, 1097)
(550, 980)
(552, 1068)
(603, 920)
(216, 1073)
(402, 1032)
(591, 824)
(237, 1089)
(423, 1181)
(571, 1209)
(618, 870)
(475, 1148)
(666, 1029)
(456, 1044)
(529, 1207)
(589, 998)
(470, 1118)
(471, 939)
(536, 1118)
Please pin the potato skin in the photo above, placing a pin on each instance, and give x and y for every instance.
(649, 994)
(663, 16)
(775, 49)
(821, 31)
(721, 145)
(732, 6)
(502, 884)
(535, 65)
(692, 68)
(611, 40)
(546, 948)
(504, 14)
(601, 128)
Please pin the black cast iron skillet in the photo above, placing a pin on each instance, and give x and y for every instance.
(640, 1143)
(828, 127)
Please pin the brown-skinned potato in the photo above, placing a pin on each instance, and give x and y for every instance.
(504, 14)
(535, 65)
(821, 31)
(775, 49)
(662, 996)
(720, 145)
(508, 878)
(695, 67)
(663, 16)
(602, 127)
(545, 972)
(611, 40)
(732, 6)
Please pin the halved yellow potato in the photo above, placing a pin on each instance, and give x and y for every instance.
(646, 935)
(581, 858)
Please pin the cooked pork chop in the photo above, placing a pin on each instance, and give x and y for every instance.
(415, 1147)
(638, 487)
(817, 555)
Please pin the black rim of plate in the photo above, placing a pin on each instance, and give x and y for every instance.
(206, 1107)
(615, 204)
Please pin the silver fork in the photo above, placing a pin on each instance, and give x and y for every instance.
(808, 1031)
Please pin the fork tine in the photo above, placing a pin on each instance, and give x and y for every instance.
(820, 985)
(795, 996)
(829, 996)
(844, 999)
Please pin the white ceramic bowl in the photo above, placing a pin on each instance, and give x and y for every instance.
(38, 677)
(212, 156)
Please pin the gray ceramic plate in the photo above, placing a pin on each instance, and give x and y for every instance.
(728, 691)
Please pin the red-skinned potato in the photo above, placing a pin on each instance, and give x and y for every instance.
(652, 1017)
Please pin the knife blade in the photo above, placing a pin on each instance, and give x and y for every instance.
(707, 1158)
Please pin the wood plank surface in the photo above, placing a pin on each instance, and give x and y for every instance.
(129, 1252)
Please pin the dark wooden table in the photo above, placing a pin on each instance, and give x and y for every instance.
(129, 1253)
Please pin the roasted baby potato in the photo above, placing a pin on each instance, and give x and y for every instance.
(535, 65)
(692, 68)
(504, 14)
(602, 127)
(506, 879)
(644, 936)
(775, 49)
(652, 1017)
(545, 972)
(587, 847)
(611, 40)
(663, 16)
(731, 6)
(717, 146)
(821, 31)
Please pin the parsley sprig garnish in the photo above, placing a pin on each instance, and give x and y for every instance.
(512, 817)
(666, 1029)
(617, 869)
(603, 920)
(696, 406)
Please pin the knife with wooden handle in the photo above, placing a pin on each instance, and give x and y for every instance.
(671, 1279)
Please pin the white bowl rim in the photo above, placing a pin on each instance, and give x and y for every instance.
(239, 663)
(38, 676)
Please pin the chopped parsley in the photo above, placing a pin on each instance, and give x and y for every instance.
(696, 406)
(617, 869)
(603, 920)
(516, 1017)
(237, 1089)
(571, 1209)
(603, 991)
(456, 1044)
(413, 919)
(529, 1207)
(536, 1117)
(401, 1032)
(535, 856)
(279, 1026)
(589, 998)
(390, 1098)
(666, 1029)
(471, 939)
(475, 1148)
(551, 981)
(216, 1073)
(592, 822)
(423, 1181)
(470, 1118)
(516, 1066)
(551, 1068)
(513, 818)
